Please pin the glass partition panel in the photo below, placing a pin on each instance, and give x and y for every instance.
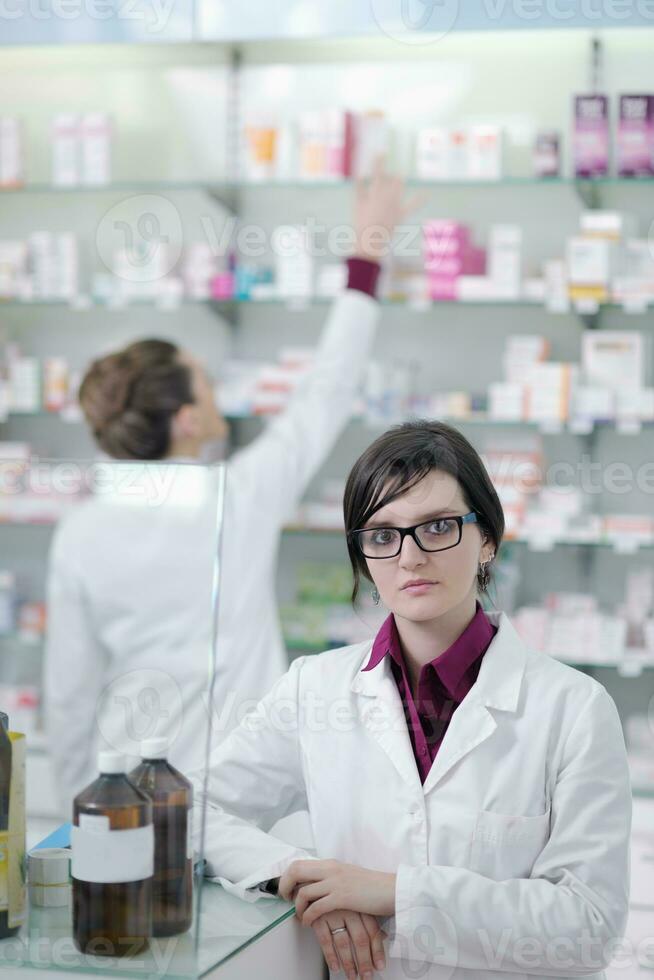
(108, 585)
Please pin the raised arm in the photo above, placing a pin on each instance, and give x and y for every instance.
(282, 461)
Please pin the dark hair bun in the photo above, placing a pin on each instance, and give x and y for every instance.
(130, 397)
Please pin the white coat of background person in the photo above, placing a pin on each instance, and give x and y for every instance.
(102, 627)
(511, 858)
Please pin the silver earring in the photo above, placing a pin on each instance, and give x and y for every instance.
(484, 574)
(375, 597)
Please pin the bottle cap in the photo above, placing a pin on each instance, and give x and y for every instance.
(111, 763)
(154, 748)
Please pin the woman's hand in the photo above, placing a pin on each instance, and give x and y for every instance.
(378, 209)
(359, 951)
(321, 887)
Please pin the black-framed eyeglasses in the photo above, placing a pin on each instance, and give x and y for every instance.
(438, 534)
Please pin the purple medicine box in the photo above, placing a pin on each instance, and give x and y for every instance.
(591, 136)
(636, 136)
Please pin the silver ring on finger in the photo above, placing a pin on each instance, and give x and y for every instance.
(340, 929)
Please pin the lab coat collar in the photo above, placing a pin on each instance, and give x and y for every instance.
(498, 686)
(502, 669)
(498, 682)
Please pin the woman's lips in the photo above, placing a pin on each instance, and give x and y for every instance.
(420, 588)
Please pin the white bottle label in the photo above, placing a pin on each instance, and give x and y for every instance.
(94, 824)
(110, 856)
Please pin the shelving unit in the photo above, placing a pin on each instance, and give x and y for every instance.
(300, 304)
(579, 184)
(180, 109)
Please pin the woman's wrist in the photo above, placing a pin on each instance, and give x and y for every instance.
(363, 274)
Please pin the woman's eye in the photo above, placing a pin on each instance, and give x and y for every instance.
(383, 536)
(438, 527)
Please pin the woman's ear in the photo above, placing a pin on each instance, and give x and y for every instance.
(488, 549)
(185, 423)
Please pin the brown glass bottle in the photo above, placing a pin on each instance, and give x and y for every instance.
(5, 784)
(112, 881)
(172, 798)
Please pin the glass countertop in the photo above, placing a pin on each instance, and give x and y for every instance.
(227, 926)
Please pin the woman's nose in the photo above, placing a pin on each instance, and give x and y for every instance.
(411, 555)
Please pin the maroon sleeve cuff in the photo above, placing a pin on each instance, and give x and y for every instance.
(363, 275)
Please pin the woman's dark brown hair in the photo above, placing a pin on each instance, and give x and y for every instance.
(400, 459)
(129, 399)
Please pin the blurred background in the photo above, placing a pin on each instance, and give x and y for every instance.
(150, 161)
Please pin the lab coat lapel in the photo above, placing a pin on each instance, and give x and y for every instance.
(382, 714)
(472, 723)
(497, 687)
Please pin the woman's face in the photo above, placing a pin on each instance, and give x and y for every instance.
(209, 424)
(448, 577)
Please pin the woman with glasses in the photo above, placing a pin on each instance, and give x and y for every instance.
(469, 797)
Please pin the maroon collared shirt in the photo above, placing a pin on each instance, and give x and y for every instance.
(442, 685)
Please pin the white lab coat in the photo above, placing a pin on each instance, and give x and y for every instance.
(129, 589)
(519, 837)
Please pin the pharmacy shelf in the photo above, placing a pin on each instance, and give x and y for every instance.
(73, 419)
(546, 427)
(47, 523)
(20, 641)
(539, 543)
(297, 183)
(309, 646)
(535, 543)
(631, 665)
(579, 427)
(305, 303)
(87, 304)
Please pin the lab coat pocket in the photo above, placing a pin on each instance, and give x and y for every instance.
(506, 845)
